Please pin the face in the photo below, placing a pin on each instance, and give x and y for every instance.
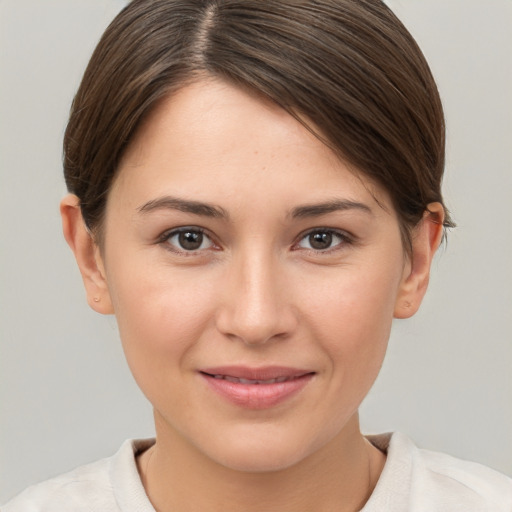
(254, 278)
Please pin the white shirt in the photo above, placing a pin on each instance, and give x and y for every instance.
(413, 480)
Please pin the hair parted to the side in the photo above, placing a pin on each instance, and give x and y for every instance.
(348, 69)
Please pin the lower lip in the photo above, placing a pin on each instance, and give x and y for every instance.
(257, 396)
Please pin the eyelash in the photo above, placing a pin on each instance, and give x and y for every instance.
(344, 240)
(166, 237)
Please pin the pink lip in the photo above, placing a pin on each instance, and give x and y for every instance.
(259, 394)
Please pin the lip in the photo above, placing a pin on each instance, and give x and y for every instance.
(256, 388)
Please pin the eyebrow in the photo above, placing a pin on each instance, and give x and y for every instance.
(183, 205)
(335, 205)
(209, 210)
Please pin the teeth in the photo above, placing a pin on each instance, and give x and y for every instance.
(272, 381)
(237, 380)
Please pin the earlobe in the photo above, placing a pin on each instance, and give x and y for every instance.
(426, 238)
(87, 254)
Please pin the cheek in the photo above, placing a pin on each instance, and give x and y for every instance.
(160, 315)
(351, 316)
(354, 302)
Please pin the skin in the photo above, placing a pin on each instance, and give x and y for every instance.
(257, 293)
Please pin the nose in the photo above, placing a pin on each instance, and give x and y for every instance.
(256, 306)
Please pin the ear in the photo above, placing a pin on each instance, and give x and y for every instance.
(87, 254)
(426, 238)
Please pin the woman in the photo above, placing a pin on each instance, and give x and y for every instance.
(255, 194)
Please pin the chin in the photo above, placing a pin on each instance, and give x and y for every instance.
(260, 461)
(262, 455)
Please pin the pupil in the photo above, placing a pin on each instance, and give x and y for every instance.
(320, 240)
(191, 240)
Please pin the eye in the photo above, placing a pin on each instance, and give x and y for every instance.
(323, 240)
(187, 240)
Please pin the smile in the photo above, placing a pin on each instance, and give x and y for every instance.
(251, 381)
(256, 388)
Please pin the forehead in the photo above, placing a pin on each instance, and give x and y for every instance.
(211, 140)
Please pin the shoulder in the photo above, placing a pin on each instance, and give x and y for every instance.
(68, 492)
(478, 486)
(95, 486)
(429, 480)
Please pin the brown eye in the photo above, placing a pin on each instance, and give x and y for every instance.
(323, 240)
(320, 240)
(188, 240)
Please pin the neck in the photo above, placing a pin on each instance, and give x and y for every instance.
(340, 476)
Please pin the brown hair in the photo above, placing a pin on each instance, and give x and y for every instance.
(347, 68)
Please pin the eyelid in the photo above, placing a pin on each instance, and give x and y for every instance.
(164, 238)
(346, 239)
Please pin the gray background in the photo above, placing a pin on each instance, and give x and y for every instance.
(66, 395)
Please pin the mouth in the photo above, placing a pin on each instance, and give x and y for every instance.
(256, 388)
(241, 380)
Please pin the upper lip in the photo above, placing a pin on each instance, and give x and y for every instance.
(260, 374)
